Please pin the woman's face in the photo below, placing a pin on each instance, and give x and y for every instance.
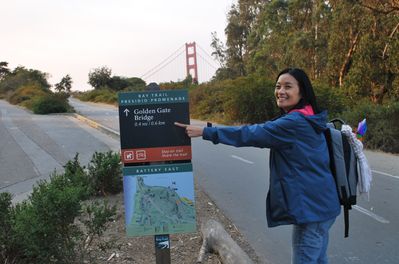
(287, 92)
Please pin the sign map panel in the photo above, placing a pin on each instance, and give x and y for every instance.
(159, 199)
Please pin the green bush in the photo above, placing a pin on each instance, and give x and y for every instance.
(250, 100)
(105, 173)
(76, 174)
(331, 99)
(55, 224)
(50, 104)
(103, 95)
(8, 247)
(26, 94)
(44, 225)
(242, 100)
(95, 218)
(382, 123)
(206, 102)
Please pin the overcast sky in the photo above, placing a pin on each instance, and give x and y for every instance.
(129, 36)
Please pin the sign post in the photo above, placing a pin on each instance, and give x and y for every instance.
(157, 175)
(162, 249)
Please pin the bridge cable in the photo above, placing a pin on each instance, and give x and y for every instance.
(156, 71)
(206, 53)
(205, 60)
(162, 62)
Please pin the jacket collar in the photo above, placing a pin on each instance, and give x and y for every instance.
(307, 110)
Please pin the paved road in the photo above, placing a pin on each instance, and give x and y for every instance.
(237, 180)
(103, 113)
(33, 146)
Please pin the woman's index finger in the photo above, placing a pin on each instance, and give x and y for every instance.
(180, 125)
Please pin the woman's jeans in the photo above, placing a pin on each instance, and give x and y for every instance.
(310, 241)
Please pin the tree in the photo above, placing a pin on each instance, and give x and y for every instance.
(4, 71)
(219, 53)
(64, 85)
(219, 50)
(21, 76)
(348, 25)
(381, 6)
(100, 77)
(136, 84)
(117, 83)
(184, 84)
(375, 65)
(286, 34)
(236, 42)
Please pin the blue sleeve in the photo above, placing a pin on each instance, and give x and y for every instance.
(272, 134)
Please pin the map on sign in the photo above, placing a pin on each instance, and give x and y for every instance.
(158, 202)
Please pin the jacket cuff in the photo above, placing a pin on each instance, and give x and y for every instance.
(210, 133)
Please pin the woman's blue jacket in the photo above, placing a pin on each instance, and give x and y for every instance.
(302, 188)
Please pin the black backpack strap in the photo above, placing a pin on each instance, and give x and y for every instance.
(337, 120)
(347, 206)
(346, 220)
(332, 123)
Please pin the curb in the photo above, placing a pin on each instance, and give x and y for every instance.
(102, 128)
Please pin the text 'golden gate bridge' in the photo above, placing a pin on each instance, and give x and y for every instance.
(186, 60)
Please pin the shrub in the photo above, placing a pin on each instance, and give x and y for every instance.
(382, 123)
(8, 247)
(44, 225)
(95, 218)
(55, 224)
(105, 173)
(50, 104)
(27, 93)
(75, 173)
(108, 98)
(332, 99)
(242, 100)
(250, 100)
(103, 95)
(206, 102)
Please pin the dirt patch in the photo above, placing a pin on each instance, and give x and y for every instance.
(184, 247)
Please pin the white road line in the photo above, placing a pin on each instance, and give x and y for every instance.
(243, 160)
(385, 174)
(371, 214)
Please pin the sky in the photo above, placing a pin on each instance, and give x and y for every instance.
(130, 37)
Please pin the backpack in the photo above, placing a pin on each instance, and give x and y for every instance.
(344, 167)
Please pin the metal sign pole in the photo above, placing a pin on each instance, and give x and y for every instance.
(162, 249)
(162, 242)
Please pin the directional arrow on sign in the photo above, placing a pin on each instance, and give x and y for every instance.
(126, 111)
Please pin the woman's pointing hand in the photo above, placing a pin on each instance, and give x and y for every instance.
(191, 131)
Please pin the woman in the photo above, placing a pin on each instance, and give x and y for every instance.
(302, 191)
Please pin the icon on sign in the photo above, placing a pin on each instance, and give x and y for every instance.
(129, 155)
(141, 155)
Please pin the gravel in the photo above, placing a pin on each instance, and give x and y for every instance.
(115, 247)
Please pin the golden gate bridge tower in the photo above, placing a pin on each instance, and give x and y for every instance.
(191, 61)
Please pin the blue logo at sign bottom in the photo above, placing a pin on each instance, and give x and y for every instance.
(159, 199)
(162, 242)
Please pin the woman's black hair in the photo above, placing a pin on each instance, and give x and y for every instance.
(305, 88)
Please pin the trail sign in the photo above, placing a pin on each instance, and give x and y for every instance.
(147, 129)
